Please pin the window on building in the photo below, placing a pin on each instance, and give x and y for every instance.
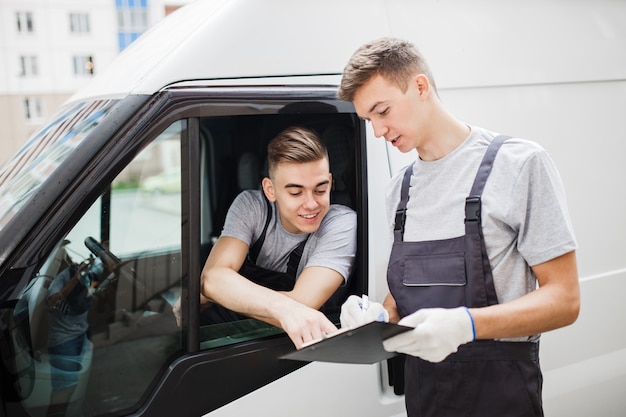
(79, 23)
(126, 38)
(132, 20)
(83, 65)
(25, 22)
(32, 109)
(28, 66)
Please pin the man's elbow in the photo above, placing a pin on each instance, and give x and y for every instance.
(574, 310)
(206, 284)
(570, 308)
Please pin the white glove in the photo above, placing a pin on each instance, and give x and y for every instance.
(438, 333)
(357, 311)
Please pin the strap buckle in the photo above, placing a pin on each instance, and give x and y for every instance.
(472, 208)
(400, 219)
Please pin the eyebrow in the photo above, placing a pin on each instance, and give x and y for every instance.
(319, 184)
(375, 105)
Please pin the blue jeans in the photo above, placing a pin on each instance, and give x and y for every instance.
(65, 362)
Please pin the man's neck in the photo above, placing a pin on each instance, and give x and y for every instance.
(448, 133)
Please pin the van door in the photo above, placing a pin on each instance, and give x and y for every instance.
(91, 329)
(231, 128)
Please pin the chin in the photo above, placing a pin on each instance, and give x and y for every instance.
(309, 227)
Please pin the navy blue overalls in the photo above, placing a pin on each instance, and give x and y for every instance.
(486, 377)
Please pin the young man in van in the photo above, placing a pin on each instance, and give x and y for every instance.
(483, 260)
(284, 250)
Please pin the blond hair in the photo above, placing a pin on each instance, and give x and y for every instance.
(394, 59)
(295, 144)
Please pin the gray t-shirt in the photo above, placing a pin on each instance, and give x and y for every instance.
(524, 212)
(333, 245)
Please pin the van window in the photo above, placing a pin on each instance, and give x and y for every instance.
(95, 323)
(234, 159)
(23, 175)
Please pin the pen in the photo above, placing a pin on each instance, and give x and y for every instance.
(365, 304)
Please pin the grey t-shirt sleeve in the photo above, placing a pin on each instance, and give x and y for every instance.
(538, 210)
(246, 217)
(334, 244)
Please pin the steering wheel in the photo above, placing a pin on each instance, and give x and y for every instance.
(110, 260)
(112, 263)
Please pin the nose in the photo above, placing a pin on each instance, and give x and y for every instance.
(380, 129)
(310, 202)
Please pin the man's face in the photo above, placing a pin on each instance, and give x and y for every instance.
(394, 114)
(302, 194)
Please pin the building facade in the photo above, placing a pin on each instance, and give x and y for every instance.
(48, 50)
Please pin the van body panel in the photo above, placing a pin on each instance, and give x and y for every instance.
(331, 382)
(202, 36)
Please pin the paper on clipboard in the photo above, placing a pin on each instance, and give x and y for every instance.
(361, 345)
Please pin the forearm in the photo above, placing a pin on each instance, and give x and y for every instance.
(537, 312)
(68, 287)
(315, 286)
(554, 304)
(235, 292)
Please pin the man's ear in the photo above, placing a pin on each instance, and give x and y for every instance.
(268, 189)
(423, 83)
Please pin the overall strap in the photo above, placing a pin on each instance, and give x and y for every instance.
(398, 230)
(472, 202)
(253, 252)
(294, 258)
(473, 213)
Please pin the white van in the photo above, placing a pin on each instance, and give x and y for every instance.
(148, 157)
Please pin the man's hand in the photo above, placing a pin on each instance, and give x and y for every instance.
(177, 312)
(438, 333)
(357, 311)
(84, 278)
(303, 324)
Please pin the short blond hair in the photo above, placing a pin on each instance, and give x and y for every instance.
(295, 144)
(394, 59)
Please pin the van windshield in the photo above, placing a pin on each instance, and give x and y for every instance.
(24, 174)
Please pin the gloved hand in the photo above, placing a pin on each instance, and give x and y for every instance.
(438, 333)
(357, 311)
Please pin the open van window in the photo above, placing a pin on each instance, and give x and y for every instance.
(234, 159)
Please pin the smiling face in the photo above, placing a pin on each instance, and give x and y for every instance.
(398, 116)
(301, 192)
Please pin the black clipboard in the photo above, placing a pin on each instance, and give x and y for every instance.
(361, 345)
